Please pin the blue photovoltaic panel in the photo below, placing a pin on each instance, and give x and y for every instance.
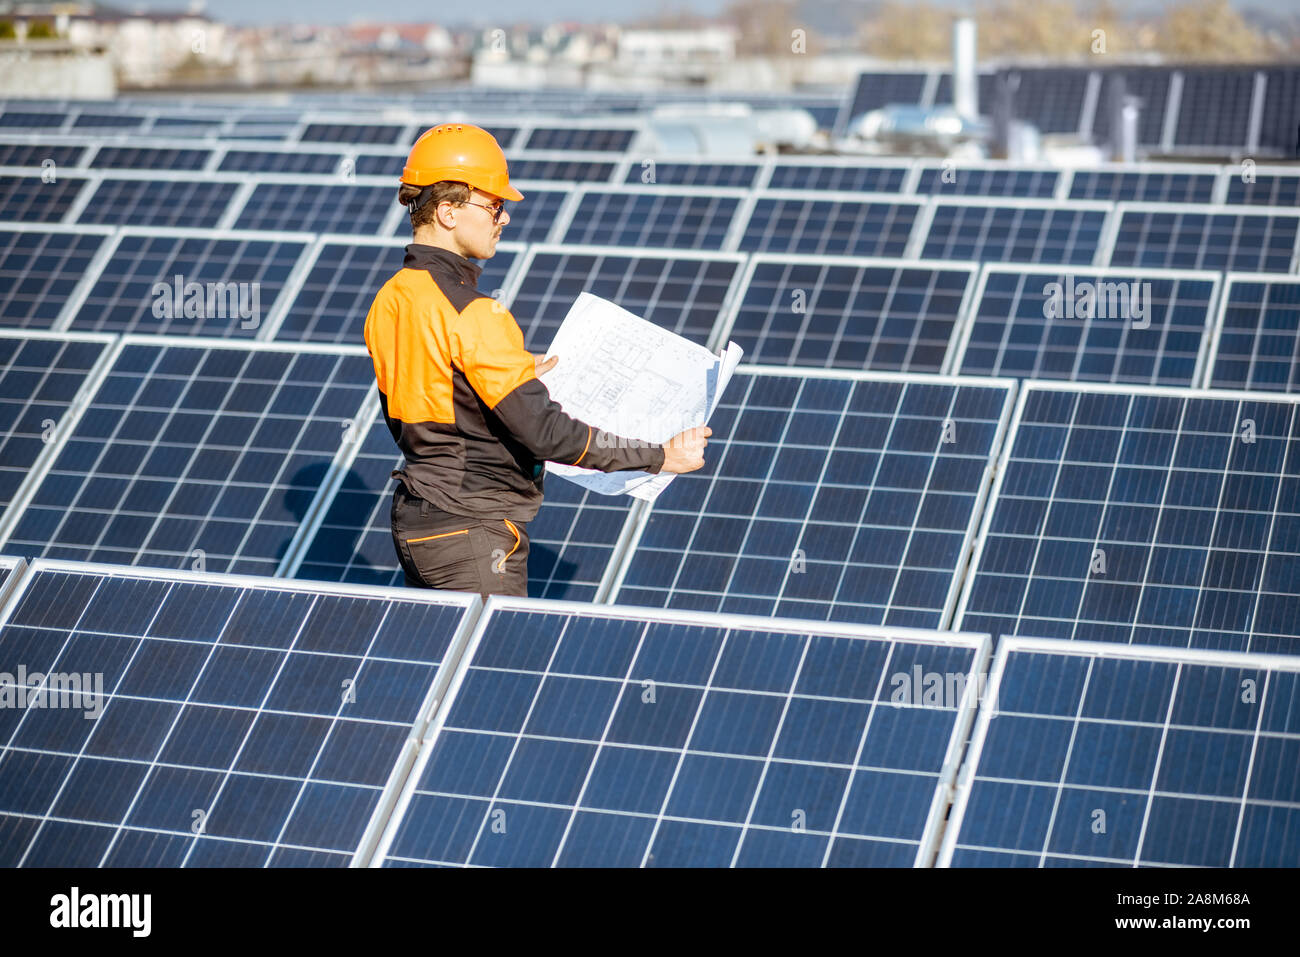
(186, 449)
(571, 541)
(21, 119)
(113, 121)
(1143, 186)
(212, 286)
(1280, 130)
(1151, 87)
(845, 178)
(836, 227)
(568, 170)
(1050, 98)
(677, 221)
(875, 90)
(1160, 518)
(39, 378)
(684, 295)
(351, 133)
(335, 297)
(39, 271)
(317, 207)
(1259, 341)
(1186, 239)
(601, 737)
(689, 174)
(958, 180)
(580, 139)
(1189, 759)
(34, 154)
(1091, 326)
(278, 161)
(883, 316)
(380, 164)
(1215, 107)
(504, 135)
(187, 125)
(28, 199)
(1027, 234)
(846, 499)
(1266, 189)
(158, 202)
(134, 157)
(276, 713)
(531, 219)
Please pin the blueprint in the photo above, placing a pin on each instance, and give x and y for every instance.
(628, 376)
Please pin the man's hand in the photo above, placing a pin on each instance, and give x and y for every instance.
(542, 365)
(685, 452)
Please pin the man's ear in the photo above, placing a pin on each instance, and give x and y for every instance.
(445, 215)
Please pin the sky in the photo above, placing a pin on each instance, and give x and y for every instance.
(505, 11)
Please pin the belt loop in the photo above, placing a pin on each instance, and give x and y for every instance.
(424, 508)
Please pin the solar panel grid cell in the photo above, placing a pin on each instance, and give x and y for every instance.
(39, 272)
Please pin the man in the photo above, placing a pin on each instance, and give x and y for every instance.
(461, 394)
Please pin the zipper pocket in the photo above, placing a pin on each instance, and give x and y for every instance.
(426, 538)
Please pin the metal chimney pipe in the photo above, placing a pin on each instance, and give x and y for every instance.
(965, 87)
(1128, 136)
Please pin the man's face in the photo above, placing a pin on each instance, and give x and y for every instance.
(476, 230)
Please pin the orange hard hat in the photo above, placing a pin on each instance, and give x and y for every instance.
(460, 153)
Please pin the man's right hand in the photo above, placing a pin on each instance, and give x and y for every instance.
(685, 452)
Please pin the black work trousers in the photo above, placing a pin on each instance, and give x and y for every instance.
(438, 549)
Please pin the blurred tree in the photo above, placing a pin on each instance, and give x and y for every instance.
(766, 27)
(1044, 28)
(7, 31)
(1208, 30)
(906, 31)
(40, 30)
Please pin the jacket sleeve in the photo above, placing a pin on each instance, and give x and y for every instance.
(488, 346)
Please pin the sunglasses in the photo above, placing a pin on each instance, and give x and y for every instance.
(496, 209)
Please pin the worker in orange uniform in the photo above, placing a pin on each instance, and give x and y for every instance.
(460, 393)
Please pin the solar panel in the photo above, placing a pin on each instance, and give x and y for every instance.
(683, 292)
(30, 199)
(848, 177)
(1143, 184)
(573, 169)
(107, 121)
(279, 161)
(689, 173)
(321, 207)
(1279, 130)
(41, 376)
(1090, 325)
(234, 721)
(581, 736)
(844, 225)
(154, 201)
(1263, 189)
(1206, 237)
(571, 542)
(1006, 231)
(202, 454)
(572, 138)
(1257, 341)
(372, 133)
(143, 157)
(836, 496)
(39, 271)
(654, 216)
(1143, 516)
(1215, 107)
(24, 119)
(213, 284)
(1151, 86)
(1051, 98)
(874, 90)
(959, 180)
(335, 296)
(880, 314)
(1104, 756)
(531, 219)
(380, 164)
(34, 154)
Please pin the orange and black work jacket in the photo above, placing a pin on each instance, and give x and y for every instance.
(462, 398)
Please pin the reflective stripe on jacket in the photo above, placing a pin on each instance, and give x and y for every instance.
(462, 399)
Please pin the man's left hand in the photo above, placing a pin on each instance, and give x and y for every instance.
(542, 365)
